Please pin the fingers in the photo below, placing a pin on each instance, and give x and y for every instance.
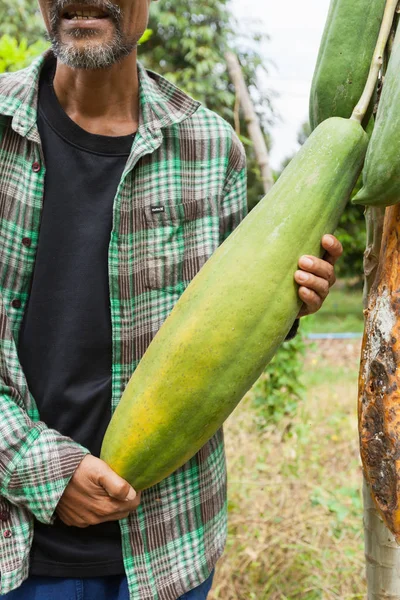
(103, 510)
(317, 275)
(312, 301)
(96, 494)
(318, 267)
(313, 289)
(311, 282)
(303, 311)
(333, 247)
(115, 486)
(107, 507)
(88, 518)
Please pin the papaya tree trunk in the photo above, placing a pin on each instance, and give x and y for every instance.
(376, 392)
(253, 124)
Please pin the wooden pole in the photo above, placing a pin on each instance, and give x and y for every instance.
(252, 120)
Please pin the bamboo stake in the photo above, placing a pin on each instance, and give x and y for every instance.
(252, 121)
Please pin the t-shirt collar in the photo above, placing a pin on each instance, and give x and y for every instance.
(161, 103)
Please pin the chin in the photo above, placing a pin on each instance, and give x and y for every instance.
(84, 52)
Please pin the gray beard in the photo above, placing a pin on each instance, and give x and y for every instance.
(92, 56)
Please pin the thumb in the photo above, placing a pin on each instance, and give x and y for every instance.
(115, 486)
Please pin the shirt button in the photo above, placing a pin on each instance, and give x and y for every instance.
(4, 514)
(36, 167)
(16, 303)
(7, 533)
(27, 242)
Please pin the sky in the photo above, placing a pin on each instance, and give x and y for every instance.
(295, 29)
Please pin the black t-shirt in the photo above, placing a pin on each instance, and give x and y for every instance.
(65, 343)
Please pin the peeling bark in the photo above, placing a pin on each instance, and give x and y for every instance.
(379, 382)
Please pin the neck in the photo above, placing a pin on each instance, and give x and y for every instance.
(105, 101)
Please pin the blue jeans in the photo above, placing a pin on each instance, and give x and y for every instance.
(97, 588)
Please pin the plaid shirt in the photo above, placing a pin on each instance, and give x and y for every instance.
(188, 161)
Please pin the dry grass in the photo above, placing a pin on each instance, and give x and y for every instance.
(295, 526)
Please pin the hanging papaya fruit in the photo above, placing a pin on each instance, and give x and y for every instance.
(344, 59)
(381, 175)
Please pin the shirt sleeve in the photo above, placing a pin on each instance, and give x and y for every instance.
(36, 463)
(233, 207)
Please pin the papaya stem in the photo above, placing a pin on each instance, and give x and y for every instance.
(377, 61)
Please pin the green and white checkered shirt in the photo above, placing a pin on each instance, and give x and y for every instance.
(189, 161)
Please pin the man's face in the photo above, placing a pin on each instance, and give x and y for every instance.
(94, 34)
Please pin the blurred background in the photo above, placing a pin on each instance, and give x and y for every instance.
(295, 527)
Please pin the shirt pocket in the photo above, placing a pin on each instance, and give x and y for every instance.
(180, 239)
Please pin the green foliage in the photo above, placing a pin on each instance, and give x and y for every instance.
(186, 42)
(15, 55)
(21, 34)
(294, 495)
(341, 503)
(188, 45)
(279, 390)
(21, 19)
(146, 36)
(255, 186)
(341, 312)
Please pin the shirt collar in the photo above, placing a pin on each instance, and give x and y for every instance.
(161, 103)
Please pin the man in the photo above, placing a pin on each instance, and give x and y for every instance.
(115, 188)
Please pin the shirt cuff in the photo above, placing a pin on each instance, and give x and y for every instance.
(41, 475)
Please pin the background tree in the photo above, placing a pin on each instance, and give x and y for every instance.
(21, 20)
(15, 55)
(22, 35)
(188, 45)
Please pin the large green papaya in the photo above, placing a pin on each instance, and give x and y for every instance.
(381, 175)
(344, 59)
(233, 316)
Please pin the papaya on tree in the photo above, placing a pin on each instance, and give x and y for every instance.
(344, 59)
(381, 174)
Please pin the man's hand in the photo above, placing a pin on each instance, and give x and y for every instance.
(317, 275)
(96, 494)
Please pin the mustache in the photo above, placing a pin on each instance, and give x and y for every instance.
(58, 7)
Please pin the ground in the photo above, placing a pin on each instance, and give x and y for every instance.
(295, 505)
